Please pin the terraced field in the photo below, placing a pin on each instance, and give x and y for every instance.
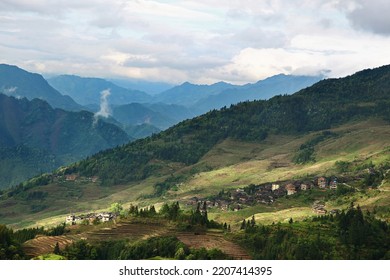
(41, 245)
(213, 241)
(135, 231)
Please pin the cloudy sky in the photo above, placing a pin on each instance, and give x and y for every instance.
(201, 41)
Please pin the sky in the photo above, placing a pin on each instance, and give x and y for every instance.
(203, 41)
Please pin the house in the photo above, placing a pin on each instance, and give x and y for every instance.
(70, 177)
(105, 217)
(320, 211)
(275, 187)
(333, 183)
(291, 189)
(304, 187)
(70, 219)
(322, 182)
(94, 179)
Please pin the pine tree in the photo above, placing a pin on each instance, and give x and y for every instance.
(253, 222)
(57, 250)
(243, 225)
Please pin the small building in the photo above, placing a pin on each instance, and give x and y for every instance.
(70, 219)
(275, 187)
(105, 217)
(320, 211)
(322, 182)
(94, 179)
(333, 183)
(334, 211)
(70, 177)
(290, 188)
(304, 187)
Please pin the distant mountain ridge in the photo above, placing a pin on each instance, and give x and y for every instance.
(35, 138)
(261, 90)
(17, 82)
(87, 90)
(188, 94)
(176, 104)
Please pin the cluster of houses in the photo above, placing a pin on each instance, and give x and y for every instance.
(75, 177)
(319, 208)
(90, 218)
(265, 193)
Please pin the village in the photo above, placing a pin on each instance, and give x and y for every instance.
(235, 200)
(90, 218)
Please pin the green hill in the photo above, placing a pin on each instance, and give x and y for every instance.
(337, 127)
(20, 83)
(86, 91)
(35, 138)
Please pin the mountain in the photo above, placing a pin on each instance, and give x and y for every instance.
(88, 90)
(337, 127)
(247, 180)
(264, 89)
(158, 115)
(20, 83)
(135, 114)
(36, 138)
(152, 88)
(203, 98)
(326, 104)
(141, 130)
(188, 94)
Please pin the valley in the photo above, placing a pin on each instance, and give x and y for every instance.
(245, 177)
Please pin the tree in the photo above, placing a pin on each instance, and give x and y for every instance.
(116, 208)
(57, 250)
(243, 224)
(253, 222)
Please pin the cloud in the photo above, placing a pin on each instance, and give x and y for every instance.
(201, 41)
(105, 110)
(371, 15)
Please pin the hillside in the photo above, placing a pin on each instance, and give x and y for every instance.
(159, 115)
(36, 138)
(20, 83)
(86, 91)
(337, 127)
(324, 105)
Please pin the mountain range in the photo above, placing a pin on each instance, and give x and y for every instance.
(247, 177)
(87, 91)
(185, 101)
(20, 83)
(36, 138)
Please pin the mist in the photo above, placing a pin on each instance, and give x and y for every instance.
(105, 110)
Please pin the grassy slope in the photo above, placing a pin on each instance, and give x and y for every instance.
(233, 164)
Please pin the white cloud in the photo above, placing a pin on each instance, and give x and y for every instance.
(200, 41)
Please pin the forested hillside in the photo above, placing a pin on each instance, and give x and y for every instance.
(326, 104)
(36, 138)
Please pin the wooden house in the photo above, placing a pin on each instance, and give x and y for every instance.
(290, 188)
(322, 182)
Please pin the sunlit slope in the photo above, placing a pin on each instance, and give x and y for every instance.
(229, 165)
